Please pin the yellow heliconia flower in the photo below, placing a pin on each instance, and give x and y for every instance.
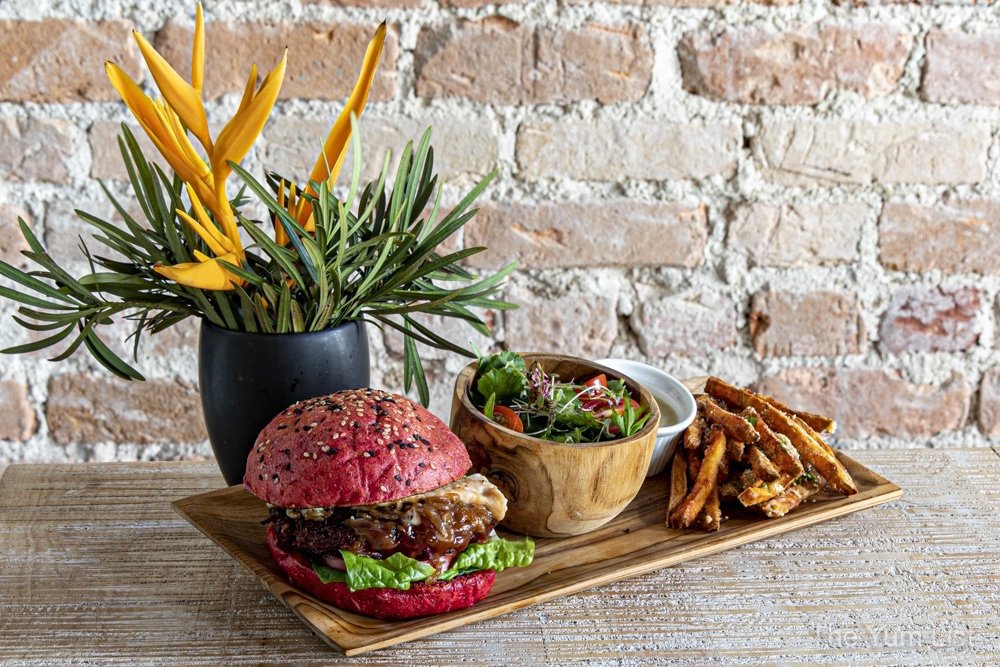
(167, 122)
(207, 272)
(163, 126)
(331, 158)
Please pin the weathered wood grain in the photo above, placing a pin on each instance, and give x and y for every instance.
(95, 567)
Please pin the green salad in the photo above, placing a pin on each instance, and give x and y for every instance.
(543, 405)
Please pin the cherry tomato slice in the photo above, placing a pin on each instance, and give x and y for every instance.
(599, 380)
(507, 417)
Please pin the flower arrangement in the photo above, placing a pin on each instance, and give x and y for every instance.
(323, 259)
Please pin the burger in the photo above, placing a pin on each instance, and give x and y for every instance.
(370, 509)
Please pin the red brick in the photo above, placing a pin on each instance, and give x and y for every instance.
(11, 240)
(934, 320)
(798, 234)
(808, 152)
(687, 3)
(477, 3)
(106, 157)
(955, 236)
(59, 60)
(989, 402)
(462, 147)
(37, 149)
(17, 419)
(568, 234)
(869, 402)
(785, 324)
(689, 324)
(498, 61)
(922, 3)
(374, 4)
(91, 409)
(64, 228)
(182, 338)
(962, 68)
(797, 66)
(580, 324)
(451, 329)
(323, 58)
(614, 150)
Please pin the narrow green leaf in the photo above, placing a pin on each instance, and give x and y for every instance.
(34, 346)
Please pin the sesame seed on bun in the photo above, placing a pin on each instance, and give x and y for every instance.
(355, 447)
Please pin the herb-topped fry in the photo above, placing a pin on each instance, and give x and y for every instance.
(756, 452)
(810, 451)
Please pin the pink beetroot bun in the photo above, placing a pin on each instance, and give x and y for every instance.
(422, 599)
(357, 447)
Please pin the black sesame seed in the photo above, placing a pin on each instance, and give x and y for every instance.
(288, 467)
(407, 482)
(281, 427)
(331, 451)
(260, 477)
(422, 464)
(399, 478)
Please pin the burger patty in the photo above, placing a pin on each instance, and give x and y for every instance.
(433, 529)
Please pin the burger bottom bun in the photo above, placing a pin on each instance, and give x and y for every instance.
(422, 599)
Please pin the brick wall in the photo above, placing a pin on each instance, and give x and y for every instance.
(800, 194)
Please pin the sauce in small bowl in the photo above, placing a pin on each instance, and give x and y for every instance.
(677, 406)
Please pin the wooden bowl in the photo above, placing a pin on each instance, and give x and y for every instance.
(555, 489)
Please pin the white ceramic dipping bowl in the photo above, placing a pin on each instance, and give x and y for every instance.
(666, 389)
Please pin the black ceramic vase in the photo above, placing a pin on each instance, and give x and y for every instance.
(247, 378)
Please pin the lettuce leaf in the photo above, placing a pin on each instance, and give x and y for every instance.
(503, 376)
(496, 554)
(329, 575)
(399, 571)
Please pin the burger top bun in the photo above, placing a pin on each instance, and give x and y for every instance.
(356, 447)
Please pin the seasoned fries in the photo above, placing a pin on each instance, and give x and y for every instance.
(753, 450)
(711, 516)
(708, 477)
(777, 448)
(762, 466)
(678, 484)
(783, 504)
(692, 436)
(735, 426)
(816, 422)
(810, 451)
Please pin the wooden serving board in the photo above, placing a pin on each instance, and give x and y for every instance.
(634, 543)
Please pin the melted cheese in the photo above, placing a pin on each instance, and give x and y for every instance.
(471, 490)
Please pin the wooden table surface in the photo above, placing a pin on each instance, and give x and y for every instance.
(95, 567)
